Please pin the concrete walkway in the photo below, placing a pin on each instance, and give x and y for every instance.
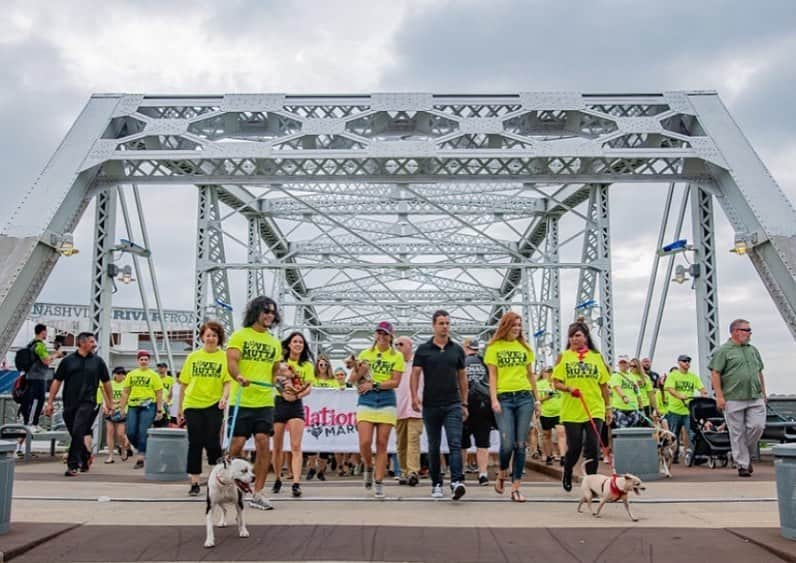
(122, 517)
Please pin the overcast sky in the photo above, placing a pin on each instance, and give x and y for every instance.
(55, 55)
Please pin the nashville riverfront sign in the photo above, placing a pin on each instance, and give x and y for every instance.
(59, 312)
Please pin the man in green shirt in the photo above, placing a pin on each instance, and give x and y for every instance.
(736, 372)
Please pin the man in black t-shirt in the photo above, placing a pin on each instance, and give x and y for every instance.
(646, 363)
(81, 374)
(441, 362)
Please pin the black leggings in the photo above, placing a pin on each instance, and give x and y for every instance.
(581, 437)
(204, 432)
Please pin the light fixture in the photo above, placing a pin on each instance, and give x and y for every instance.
(64, 244)
(126, 275)
(680, 274)
(744, 241)
(740, 247)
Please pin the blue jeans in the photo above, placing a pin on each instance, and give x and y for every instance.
(139, 419)
(676, 423)
(450, 417)
(514, 423)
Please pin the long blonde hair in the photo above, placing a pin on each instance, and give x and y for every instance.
(504, 326)
(329, 374)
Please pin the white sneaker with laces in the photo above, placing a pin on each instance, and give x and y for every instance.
(367, 478)
(378, 491)
(260, 502)
(458, 489)
(436, 492)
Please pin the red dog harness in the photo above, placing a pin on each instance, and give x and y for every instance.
(614, 489)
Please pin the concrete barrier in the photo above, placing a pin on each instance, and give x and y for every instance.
(166, 454)
(785, 467)
(6, 483)
(636, 451)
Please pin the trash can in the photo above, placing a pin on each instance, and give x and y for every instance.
(785, 466)
(6, 483)
(166, 454)
(636, 451)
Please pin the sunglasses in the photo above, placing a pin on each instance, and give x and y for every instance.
(744, 329)
(399, 343)
(686, 361)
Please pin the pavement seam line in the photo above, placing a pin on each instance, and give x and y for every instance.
(11, 554)
(785, 556)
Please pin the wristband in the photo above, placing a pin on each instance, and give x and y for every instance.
(377, 386)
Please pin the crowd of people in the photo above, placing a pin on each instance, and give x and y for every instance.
(257, 383)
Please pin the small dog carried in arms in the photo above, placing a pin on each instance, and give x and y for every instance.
(228, 481)
(610, 489)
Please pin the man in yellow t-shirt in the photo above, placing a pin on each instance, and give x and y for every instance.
(625, 396)
(681, 386)
(253, 356)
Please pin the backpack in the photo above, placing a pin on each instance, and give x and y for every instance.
(19, 388)
(25, 358)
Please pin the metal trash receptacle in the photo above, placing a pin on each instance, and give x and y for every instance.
(635, 451)
(785, 467)
(166, 454)
(7, 450)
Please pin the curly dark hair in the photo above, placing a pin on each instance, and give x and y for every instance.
(259, 305)
(305, 355)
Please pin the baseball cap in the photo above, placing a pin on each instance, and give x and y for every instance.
(162, 365)
(683, 358)
(624, 359)
(386, 326)
(119, 369)
(142, 353)
(472, 343)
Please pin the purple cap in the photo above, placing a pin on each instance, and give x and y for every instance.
(386, 326)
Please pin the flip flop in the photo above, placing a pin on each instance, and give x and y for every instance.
(499, 484)
(516, 496)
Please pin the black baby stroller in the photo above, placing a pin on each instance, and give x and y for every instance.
(711, 443)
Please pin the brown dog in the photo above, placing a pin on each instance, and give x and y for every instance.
(609, 489)
(667, 447)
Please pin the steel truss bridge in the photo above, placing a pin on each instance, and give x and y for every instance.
(357, 208)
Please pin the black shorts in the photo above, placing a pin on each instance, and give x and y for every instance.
(548, 422)
(90, 429)
(479, 424)
(287, 410)
(254, 420)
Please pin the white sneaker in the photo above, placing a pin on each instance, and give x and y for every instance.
(458, 489)
(261, 502)
(378, 491)
(436, 492)
(35, 429)
(367, 478)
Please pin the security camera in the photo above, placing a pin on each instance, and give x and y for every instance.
(133, 248)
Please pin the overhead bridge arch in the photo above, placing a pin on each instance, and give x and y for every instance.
(376, 206)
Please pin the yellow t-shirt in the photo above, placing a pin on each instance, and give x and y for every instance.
(259, 351)
(687, 384)
(203, 377)
(305, 371)
(382, 364)
(586, 376)
(326, 383)
(644, 389)
(117, 388)
(550, 407)
(511, 359)
(142, 383)
(628, 383)
(167, 382)
(662, 400)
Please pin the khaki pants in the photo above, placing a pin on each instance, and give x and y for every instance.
(408, 431)
(746, 421)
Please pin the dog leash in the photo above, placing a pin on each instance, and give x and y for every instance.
(231, 427)
(606, 453)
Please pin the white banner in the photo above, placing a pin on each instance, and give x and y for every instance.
(330, 417)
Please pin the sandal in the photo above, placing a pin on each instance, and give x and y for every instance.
(499, 484)
(516, 496)
(109, 460)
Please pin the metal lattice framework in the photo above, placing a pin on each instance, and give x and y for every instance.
(365, 207)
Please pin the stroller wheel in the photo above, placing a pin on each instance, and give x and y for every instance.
(689, 459)
(712, 462)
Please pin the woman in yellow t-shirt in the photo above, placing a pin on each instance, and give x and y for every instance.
(377, 407)
(143, 399)
(581, 374)
(115, 422)
(323, 378)
(512, 388)
(205, 393)
(549, 417)
(289, 409)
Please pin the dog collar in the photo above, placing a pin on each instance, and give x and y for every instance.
(615, 490)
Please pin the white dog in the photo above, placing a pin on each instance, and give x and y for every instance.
(225, 487)
(609, 489)
(667, 447)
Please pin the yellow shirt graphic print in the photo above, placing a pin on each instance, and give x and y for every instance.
(511, 359)
(382, 364)
(203, 376)
(258, 353)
